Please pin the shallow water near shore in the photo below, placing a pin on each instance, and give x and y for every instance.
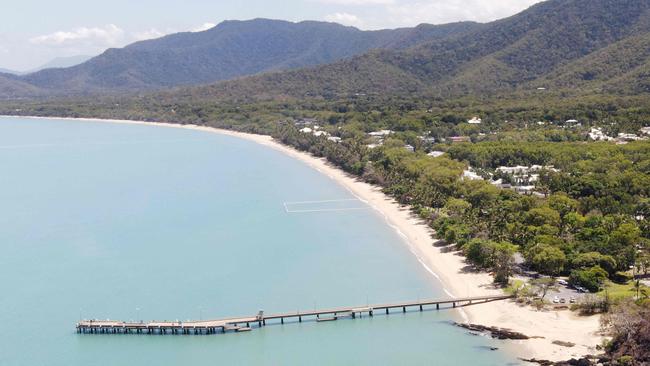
(135, 222)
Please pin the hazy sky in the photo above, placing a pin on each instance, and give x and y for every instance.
(33, 32)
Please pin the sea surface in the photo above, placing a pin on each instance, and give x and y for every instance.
(131, 222)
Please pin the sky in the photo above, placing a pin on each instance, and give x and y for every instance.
(33, 32)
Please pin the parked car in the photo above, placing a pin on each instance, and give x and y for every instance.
(563, 282)
(572, 300)
(581, 289)
(562, 301)
(556, 300)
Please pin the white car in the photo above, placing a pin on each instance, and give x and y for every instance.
(556, 300)
(563, 282)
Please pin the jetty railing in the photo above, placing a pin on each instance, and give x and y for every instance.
(243, 324)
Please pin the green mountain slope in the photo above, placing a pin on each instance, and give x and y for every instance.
(548, 39)
(10, 87)
(575, 46)
(617, 68)
(230, 50)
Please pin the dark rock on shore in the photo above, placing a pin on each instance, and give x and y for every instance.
(495, 332)
(564, 344)
(572, 362)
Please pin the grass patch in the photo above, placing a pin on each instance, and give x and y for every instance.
(515, 286)
(618, 291)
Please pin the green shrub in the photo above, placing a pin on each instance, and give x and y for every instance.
(591, 259)
(621, 277)
(626, 360)
(592, 279)
(480, 252)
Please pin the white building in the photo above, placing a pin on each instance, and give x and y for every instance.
(306, 121)
(320, 133)
(513, 170)
(572, 123)
(524, 176)
(524, 170)
(409, 148)
(436, 154)
(471, 175)
(628, 137)
(475, 121)
(382, 133)
(597, 134)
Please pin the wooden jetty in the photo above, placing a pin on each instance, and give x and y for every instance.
(244, 324)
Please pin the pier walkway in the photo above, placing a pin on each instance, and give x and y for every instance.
(245, 323)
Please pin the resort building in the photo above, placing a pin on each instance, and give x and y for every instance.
(523, 170)
(471, 174)
(306, 122)
(381, 134)
(321, 133)
(628, 137)
(315, 130)
(475, 121)
(572, 123)
(459, 139)
(597, 134)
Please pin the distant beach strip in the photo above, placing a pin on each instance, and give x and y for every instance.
(333, 205)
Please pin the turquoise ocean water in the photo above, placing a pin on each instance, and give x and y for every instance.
(103, 220)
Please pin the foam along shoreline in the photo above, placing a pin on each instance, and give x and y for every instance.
(448, 268)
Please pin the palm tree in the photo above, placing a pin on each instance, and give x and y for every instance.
(637, 287)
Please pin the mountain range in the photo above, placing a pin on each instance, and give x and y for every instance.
(230, 50)
(58, 63)
(577, 46)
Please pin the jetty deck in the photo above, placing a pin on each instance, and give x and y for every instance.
(245, 323)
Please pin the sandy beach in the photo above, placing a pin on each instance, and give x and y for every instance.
(448, 268)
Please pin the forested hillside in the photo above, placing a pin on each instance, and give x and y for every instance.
(580, 47)
(230, 50)
(558, 44)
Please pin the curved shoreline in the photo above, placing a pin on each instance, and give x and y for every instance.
(448, 268)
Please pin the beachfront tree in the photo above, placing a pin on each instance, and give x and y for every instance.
(480, 252)
(549, 260)
(623, 240)
(591, 259)
(503, 261)
(541, 216)
(643, 264)
(457, 207)
(592, 279)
